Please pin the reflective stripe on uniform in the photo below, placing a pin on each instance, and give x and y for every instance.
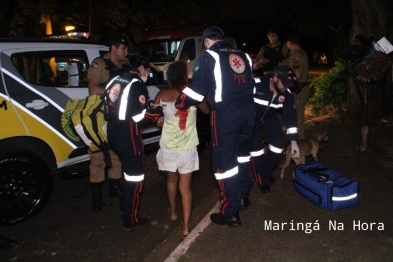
(243, 159)
(140, 116)
(217, 76)
(276, 149)
(227, 174)
(292, 130)
(124, 100)
(257, 153)
(134, 178)
(191, 93)
(249, 59)
(266, 103)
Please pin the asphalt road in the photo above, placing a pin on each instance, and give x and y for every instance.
(67, 230)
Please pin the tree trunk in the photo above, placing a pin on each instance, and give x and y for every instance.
(372, 19)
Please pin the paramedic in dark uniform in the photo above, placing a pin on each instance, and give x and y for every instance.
(270, 55)
(298, 62)
(223, 74)
(101, 70)
(127, 99)
(272, 95)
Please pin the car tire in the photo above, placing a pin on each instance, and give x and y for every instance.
(25, 187)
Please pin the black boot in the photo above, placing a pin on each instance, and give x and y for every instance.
(114, 190)
(232, 221)
(96, 203)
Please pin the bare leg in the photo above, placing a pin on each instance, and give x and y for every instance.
(186, 199)
(171, 187)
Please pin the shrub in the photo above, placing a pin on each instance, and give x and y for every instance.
(330, 90)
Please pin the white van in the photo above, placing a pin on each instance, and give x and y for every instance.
(175, 43)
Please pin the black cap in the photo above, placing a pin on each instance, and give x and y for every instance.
(286, 76)
(294, 38)
(212, 30)
(273, 31)
(119, 40)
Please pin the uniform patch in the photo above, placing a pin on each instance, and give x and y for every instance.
(196, 69)
(281, 99)
(296, 66)
(296, 59)
(94, 64)
(142, 99)
(237, 63)
(114, 92)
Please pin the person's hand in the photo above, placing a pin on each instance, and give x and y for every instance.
(169, 110)
(295, 150)
(265, 60)
(160, 121)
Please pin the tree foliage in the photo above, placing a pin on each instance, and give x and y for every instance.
(330, 90)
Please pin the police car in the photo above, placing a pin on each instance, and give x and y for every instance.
(37, 78)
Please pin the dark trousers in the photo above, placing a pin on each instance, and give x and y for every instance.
(264, 162)
(231, 130)
(125, 140)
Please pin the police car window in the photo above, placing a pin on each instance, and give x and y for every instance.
(53, 68)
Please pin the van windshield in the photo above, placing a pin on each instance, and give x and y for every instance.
(161, 50)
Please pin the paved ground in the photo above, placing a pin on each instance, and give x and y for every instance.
(372, 242)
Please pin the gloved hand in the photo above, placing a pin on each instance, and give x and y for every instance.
(295, 153)
(169, 110)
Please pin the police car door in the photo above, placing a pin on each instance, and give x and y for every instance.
(33, 88)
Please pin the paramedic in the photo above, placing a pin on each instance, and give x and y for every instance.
(224, 75)
(272, 95)
(127, 99)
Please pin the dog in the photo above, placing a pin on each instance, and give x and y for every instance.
(306, 147)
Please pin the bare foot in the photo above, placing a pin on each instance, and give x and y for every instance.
(172, 215)
(185, 231)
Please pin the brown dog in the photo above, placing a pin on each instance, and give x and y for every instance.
(306, 147)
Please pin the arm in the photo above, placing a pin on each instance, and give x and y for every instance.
(259, 61)
(203, 107)
(95, 87)
(290, 116)
(96, 75)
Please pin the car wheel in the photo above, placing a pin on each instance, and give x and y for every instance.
(203, 129)
(25, 187)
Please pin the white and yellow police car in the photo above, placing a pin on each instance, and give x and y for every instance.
(37, 78)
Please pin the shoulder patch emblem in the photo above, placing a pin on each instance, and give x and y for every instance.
(114, 92)
(142, 99)
(196, 69)
(296, 66)
(237, 63)
(94, 64)
(281, 99)
(296, 59)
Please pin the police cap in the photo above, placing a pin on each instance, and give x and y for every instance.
(119, 40)
(212, 30)
(286, 76)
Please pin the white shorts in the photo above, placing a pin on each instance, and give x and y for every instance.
(183, 162)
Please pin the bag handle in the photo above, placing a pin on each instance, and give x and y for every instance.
(316, 172)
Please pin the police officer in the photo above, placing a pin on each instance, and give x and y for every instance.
(101, 70)
(298, 62)
(271, 55)
(127, 99)
(223, 74)
(272, 95)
